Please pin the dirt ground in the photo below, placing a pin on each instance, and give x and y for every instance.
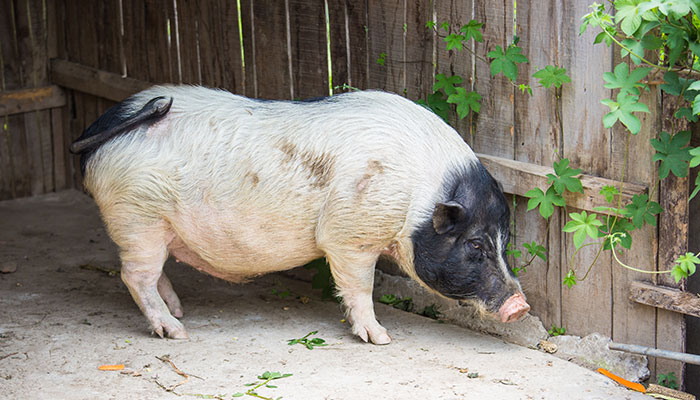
(65, 311)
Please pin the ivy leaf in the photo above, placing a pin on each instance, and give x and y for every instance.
(445, 26)
(546, 201)
(687, 113)
(676, 39)
(697, 188)
(583, 225)
(536, 250)
(437, 103)
(507, 61)
(627, 15)
(446, 84)
(636, 50)
(552, 75)
(430, 25)
(570, 279)
(622, 110)
(472, 30)
(642, 210)
(609, 192)
(685, 266)
(624, 80)
(454, 41)
(564, 177)
(465, 101)
(623, 226)
(510, 251)
(673, 153)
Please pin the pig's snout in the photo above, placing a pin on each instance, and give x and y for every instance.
(514, 308)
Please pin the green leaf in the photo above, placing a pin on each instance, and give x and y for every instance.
(454, 41)
(697, 187)
(687, 113)
(642, 210)
(622, 110)
(624, 80)
(465, 101)
(472, 30)
(621, 226)
(388, 299)
(609, 192)
(510, 251)
(582, 225)
(534, 249)
(382, 59)
(634, 48)
(238, 394)
(447, 84)
(546, 201)
(564, 177)
(445, 26)
(628, 16)
(525, 88)
(552, 75)
(688, 263)
(271, 386)
(570, 279)
(436, 103)
(506, 61)
(430, 25)
(673, 153)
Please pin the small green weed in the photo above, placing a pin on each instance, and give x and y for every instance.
(432, 311)
(309, 343)
(667, 380)
(265, 379)
(556, 331)
(405, 304)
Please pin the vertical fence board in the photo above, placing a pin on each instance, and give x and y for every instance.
(308, 48)
(219, 45)
(9, 79)
(587, 307)
(248, 53)
(537, 139)
(494, 124)
(337, 14)
(454, 62)
(419, 50)
(188, 30)
(359, 44)
(271, 61)
(385, 21)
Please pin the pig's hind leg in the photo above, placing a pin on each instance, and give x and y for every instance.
(353, 273)
(142, 272)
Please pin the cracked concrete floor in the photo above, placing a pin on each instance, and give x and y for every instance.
(65, 311)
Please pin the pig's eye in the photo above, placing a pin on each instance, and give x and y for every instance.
(474, 244)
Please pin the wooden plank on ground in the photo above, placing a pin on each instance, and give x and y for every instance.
(537, 139)
(31, 99)
(494, 131)
(93, 81)
(309, 55)
(385, 21)
(271, 55)
(586, 307)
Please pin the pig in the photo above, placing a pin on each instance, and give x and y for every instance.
(240, 187)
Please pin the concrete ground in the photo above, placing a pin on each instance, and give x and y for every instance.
(65, 311)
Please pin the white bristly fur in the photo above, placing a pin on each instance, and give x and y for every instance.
(239, 187)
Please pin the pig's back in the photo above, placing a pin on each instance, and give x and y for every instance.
(251, 185)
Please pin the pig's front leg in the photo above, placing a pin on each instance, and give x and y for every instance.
(142, 272)
(354, 278)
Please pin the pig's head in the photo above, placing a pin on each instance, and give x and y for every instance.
(461, 250)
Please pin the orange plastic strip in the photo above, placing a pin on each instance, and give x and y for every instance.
(624, 382)
(117, 367)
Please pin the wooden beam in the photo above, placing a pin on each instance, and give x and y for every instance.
(665, 297)
(518, 177)
(93, 81)
(26, 100)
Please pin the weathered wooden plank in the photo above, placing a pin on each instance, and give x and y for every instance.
(518, 177)
(453, 62)
(587, 307)
(59, 150)
(6, 170)
(188, 30)
(359, 44)
(309, 59)
(32, 99)
(12, 66)
(271, 56)
(673, 242)
(250, 86)
(219, 45)
(385, 21)
(419, 50)
(494, 131)
(665, 297)
(537, 139)
(340, 51)
(94, 81)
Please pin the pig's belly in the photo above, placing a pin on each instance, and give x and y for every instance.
(235, 246)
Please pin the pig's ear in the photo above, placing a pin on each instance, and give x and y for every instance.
(446, 216)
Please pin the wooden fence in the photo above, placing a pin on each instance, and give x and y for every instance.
(65, 62)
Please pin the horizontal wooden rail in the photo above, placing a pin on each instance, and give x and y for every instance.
(518, 177)
(93, 81)
(664, 297)
(33, 99)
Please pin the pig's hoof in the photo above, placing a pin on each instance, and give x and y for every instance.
(376, 334)
(172, 329)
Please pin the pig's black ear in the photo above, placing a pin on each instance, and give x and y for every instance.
(446, 216)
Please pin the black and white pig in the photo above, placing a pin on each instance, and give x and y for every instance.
(238, 187)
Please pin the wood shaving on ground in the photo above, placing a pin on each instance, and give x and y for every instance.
(547, 346)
